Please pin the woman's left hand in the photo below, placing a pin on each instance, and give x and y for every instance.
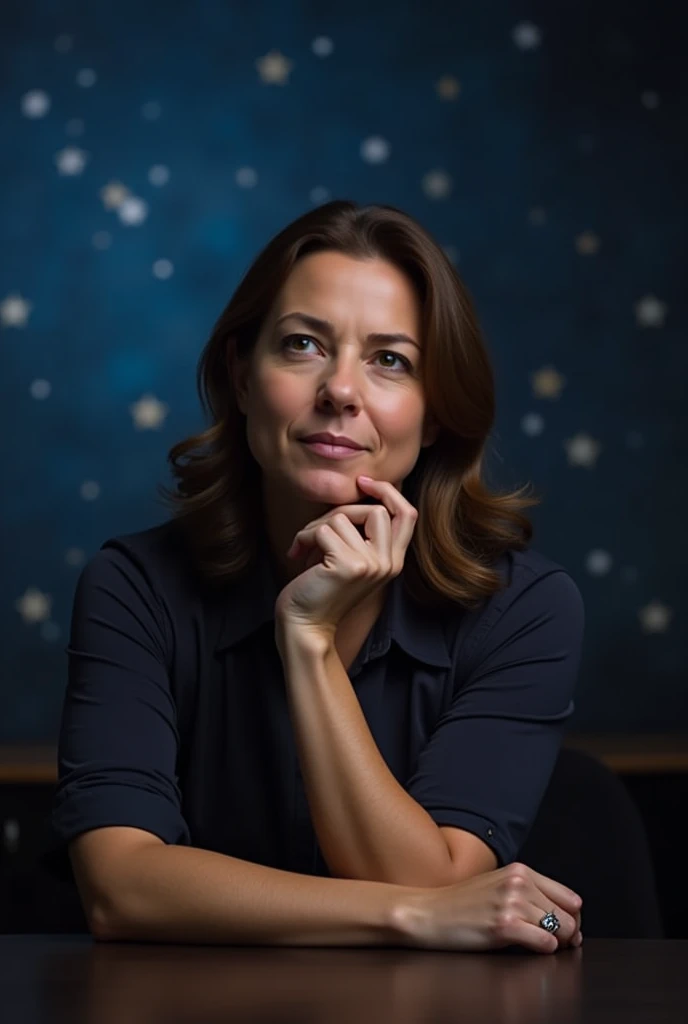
(342, 567)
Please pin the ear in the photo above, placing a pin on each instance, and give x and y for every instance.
(238, 374)
(431, 430)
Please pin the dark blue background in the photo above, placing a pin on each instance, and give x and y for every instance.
(584, 132)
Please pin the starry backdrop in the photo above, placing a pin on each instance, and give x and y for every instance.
(149, 151)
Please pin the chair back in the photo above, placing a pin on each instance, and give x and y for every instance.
(590, 835)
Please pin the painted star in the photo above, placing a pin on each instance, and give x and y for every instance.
(35, 103)
(582, 450)
(526, 36)
(547, 382)
(655, 617)
(598, 562)
(375, 150)
(14, 311)
(448, 87)
(71, 160)
(274, 68)
(34, 605)
(148, 413)
(650, 311)
(587, 243)
(113, 194)
(437, 184)
(132, 210)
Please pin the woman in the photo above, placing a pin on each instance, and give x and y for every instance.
(321, 703)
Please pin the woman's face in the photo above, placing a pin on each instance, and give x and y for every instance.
(305, 378)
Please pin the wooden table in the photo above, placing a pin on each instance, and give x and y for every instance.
(642, 753)
(61, 979)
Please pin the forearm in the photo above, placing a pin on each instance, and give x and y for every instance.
(184, 894)
(367, 825)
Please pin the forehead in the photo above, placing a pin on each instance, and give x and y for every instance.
(335, 281)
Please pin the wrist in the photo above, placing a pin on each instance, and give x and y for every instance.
(411, 916)
(315, 640)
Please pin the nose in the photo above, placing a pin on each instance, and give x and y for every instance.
(339, 388)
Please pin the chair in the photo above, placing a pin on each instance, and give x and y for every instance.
(589, 834)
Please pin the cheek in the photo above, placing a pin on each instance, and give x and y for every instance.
(401, 421)
(279, 397)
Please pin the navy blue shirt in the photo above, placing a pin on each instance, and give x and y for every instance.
(175, 718)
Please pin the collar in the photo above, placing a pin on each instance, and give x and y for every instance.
(419, 632)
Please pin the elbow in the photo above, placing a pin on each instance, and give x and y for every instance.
(103, 922)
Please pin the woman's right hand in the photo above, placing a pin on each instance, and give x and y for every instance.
(490, 911)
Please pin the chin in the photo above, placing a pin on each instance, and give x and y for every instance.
(329, 487)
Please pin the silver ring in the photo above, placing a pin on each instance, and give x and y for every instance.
(550, 922)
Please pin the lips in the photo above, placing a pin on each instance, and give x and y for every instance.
(332, 439)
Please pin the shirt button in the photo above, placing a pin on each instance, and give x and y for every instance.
(490, 833)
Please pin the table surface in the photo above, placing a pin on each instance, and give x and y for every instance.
(630, 754)
(50, 979)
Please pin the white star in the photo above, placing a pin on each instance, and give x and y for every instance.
(650, 99)
(582, 450)
(526, 35)
(86, 78)
(162, 269)
(650, 312)
(35, 103)
(11, 833)
(437, 184)
(375, 150)
(319, 194)
(75, 556)
(274, 68)
(598, 562)
(101, 240)
(151, 110)
(90, 490)
(71, 160)
(547, 382)
(246, 177)
(132, 210)
(113, 194)
(148, 413)
(159, 175)
(655, 617)
(34, 605)
(322, 46)
(14, 311)
(50, 631)
(40, 389)
(532, 424)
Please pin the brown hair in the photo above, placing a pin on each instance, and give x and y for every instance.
(463, 524)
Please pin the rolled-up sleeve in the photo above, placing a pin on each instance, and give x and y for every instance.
(491, 755)
(118, 739)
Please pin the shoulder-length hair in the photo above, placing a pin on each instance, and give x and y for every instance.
(463, 524)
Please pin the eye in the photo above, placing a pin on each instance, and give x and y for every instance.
(395, 355)
(290, 337)
(286, 344)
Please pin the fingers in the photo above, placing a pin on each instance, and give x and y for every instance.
(377, 553)
(528, 898)
(394, 508)
(566, 898)
(568, 926)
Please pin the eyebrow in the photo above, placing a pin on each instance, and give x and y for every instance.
(325, 327)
